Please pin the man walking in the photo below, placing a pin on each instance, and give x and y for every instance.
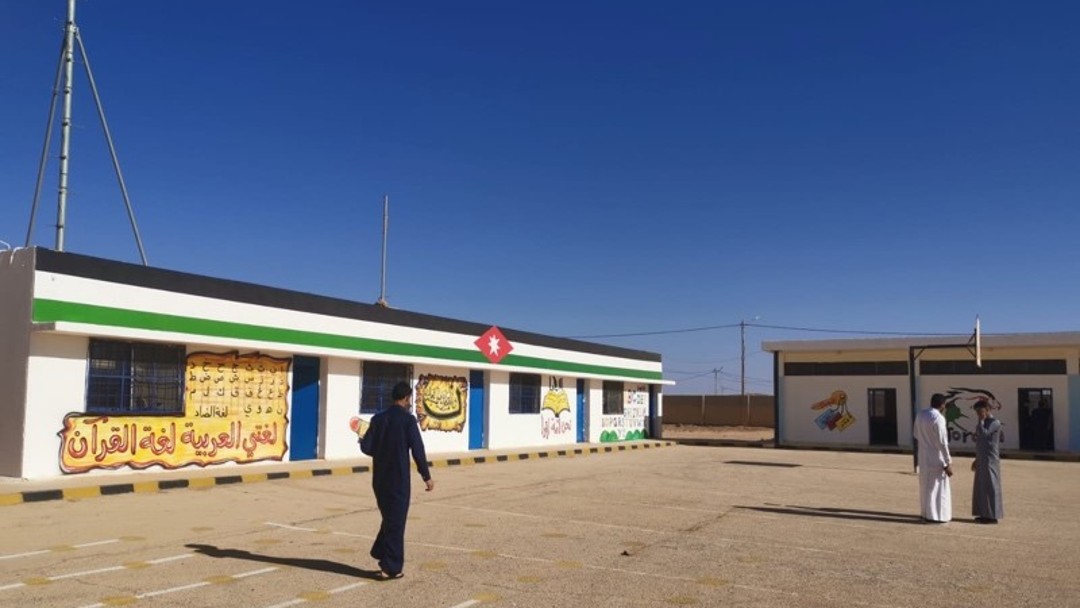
(393, 434)
(935, 463)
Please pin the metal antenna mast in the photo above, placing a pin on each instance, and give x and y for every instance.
(385, 229)
(66, 71)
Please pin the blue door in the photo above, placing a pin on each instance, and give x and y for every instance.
(654, 425)
(304, 426)
(476, 410)
(581, 417)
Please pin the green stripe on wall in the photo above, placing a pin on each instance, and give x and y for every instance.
(51, 311)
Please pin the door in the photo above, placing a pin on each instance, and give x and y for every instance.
(654, 426)
(304, 426)
(1036, 415)
(881, 402)
(581, 413)
(476, 410)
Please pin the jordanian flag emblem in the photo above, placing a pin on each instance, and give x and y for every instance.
(494, 345)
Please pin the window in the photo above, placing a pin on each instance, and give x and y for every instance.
(524, 393)
(376, 383)
(135, 378)
(994, 366)
(847, 368)
(881, 402)
(613, 397)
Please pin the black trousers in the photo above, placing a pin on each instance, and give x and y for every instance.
(389, 546)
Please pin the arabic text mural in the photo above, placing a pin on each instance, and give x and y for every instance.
(555, 414)
(441, 402)
(631, 424)
(234, 410)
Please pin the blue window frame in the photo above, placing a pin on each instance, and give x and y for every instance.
(524, 393)
(135, 378)
(376, 383)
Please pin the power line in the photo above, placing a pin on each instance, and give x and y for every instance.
(767, 326)
(656, 333)
(851, 331)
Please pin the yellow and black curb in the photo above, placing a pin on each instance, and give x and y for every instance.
(153, 486)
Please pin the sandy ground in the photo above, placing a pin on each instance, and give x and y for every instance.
(667, 526)
(738, 433)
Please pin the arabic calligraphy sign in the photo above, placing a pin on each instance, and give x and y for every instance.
(441, 402)
(234, 410)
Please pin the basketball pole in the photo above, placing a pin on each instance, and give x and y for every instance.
(973, 346)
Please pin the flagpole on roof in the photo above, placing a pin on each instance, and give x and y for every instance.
(385, 229)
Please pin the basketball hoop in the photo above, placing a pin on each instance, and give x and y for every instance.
(978, 343)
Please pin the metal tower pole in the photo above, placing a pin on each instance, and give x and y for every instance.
(45, 147)
(65, 124)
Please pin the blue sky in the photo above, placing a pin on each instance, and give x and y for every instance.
(580, 168)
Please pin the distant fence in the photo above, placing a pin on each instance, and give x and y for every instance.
(720, 410)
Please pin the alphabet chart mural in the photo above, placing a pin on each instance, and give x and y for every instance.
(235, 409)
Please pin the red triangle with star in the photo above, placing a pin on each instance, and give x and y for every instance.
(494, 344)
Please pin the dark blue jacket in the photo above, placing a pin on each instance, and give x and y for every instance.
(392, 435)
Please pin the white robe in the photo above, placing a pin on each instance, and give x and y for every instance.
(935, 494)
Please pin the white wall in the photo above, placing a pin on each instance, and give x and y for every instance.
(595, 402)
(16, 276)
(56, 387)
(799, 393)
(341, 396)
(635, 416)
(508, 430)
(1005, 390)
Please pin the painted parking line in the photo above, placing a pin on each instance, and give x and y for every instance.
(632, 528)
(552, 518)
(314, 596)
(554, 562)
(60, 549)
(129, 566)
(217, 580)
(288, 527)
(483, 598)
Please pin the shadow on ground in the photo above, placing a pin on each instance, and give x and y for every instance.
(838, 513)
(320, 565)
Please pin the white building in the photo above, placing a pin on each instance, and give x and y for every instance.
(108, 366)
(863, 392)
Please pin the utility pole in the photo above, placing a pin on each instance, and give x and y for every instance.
(742, 358)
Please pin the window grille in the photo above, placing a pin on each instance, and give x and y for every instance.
(135, 378)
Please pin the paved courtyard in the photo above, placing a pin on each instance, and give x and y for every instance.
(670, 526)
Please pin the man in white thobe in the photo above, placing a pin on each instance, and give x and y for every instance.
(935, 464)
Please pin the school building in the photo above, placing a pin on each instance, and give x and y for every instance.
(108, 366)
(865, 392)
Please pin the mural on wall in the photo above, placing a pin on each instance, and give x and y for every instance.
(631, 424)
(441, 402)
(959, 400)
(555, 403)
(234, 410)
(836, 416)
